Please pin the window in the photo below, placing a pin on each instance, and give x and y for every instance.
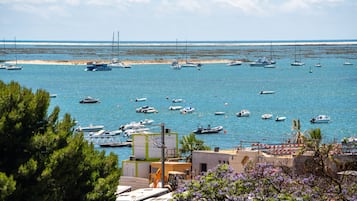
(203, 167)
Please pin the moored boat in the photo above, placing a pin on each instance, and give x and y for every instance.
(219, 113)
(321, 119)
(89, 99)
(208, 130)
(175, 107)
(267, 92)
(93, 66)
(267, 116)
(235, 63)
(90, 128)
(187, 110)
(140, 99)
(243, 113)
(280, 118)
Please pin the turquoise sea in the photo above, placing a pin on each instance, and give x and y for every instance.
(330, 90)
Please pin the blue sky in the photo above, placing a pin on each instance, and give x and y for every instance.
(192, 20)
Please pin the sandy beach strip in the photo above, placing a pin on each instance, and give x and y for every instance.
(131, 62)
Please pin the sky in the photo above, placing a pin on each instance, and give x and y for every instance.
(185, 20)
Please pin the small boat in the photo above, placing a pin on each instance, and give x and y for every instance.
(317, 65)
(208, 130)
(266, 92)
(13, 67)
(175, 65)
(347, 63)
(187, 110)
(280, 118)
(89, 99)
(116, 144)
(140, 99)
(175, 107)
(235, 63)
(297, 63)
(105, 133)
(270, 66)
(146, 122)
(177, 100)
(321, 119)
(243, 113)
(267, 116)
(90, 128)
(191, 64)
(115, 63)
(94, 66)
(53, 95)
(146, 109)
(219, 113)
(261, 62)
(131, 125)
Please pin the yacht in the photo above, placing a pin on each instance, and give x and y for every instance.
(94, 66)
(321, 119)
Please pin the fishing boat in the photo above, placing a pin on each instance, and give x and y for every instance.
(321, 119)
(208, 130)
(89, 99)
(243, 113)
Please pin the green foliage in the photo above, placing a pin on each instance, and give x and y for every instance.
(46, 159)
(7, 185)
(190, 143)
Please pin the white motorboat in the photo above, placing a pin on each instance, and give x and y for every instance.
(129, 132)
(144, 109)
(191, 64)
(219, 113)
(347, 63)
(208, 130)
(297, 63)
(140, 99)
(261, 62)
(187, 110)
(267, 116)
(175, 107)
(105, 133)
(266, 92)
(146, 122)
(131, 125)
(53, 95)
(235, 63)
(177, 100)
(243, 113)
(13, 67)
(89, 99)
(90, 128)
(321, 119)
(318, 65)
(280, 118)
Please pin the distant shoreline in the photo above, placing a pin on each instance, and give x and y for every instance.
(131, 62)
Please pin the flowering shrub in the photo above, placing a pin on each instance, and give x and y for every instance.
(264, 182)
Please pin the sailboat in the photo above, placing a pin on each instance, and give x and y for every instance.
(297, 62)
(116, 63)
(190, 64)
(319, 63)
(175, 64)
(12, 66)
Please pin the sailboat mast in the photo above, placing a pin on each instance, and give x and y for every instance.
(15, 52)
(113, 45)
(118, 47)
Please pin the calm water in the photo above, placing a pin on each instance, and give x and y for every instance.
(330, 90)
